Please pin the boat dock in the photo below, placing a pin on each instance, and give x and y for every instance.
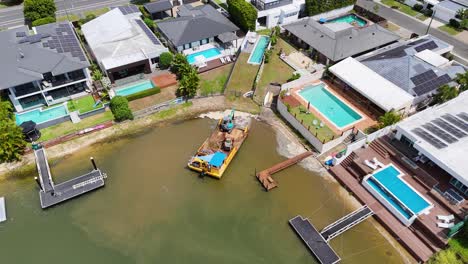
(3, 216)
(265, 175)
(317, 242)
(51, 194)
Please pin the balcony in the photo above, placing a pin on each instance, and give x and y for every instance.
(25, 89)
(262, 5)
(54, 81)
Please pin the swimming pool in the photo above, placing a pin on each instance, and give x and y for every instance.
(134, 88)
(208, 54)
(260, 47)
(387, 182)
(335, 110)
(350, 19)
(40, 116)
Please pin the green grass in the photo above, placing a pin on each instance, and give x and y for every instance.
(276, 70)
(450, 30)
(402, 7)
(266, 31)
(83, 104)
(243, 75)
(97, 12)
(322, 133)
(68, 127)
(70, 17)
(213, 81)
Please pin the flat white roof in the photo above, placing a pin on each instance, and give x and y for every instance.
(116, 39)
(453, 158)
(432, 58)
(371, 85)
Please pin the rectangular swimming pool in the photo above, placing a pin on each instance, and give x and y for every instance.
(350, 19)
(260, 47)
(40, 116)
(389, 177)
(208, 54)
(134, 88)
(335, 110)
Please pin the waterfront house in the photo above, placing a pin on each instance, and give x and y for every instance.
(271, 13)
(198, 28)
(42, 66)
(330, 40)
(398, 77)
(122, 43)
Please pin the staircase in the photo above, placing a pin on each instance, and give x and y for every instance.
(348, 160)
(379, 148)
(349, 138)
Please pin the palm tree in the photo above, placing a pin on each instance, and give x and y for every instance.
(12, 141)
(462, 80)
(188, 85)
(388, 119)
(444, 94)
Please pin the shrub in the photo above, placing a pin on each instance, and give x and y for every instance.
(142, 94)
(85, 20)
(295, 76)
(165, 60)
(12, 141)
(43, 21)
(454, 23)
(149, 22)
(243, 14)
(37, 9)
(97, 75)
(273, 40)
(418, 7)
(120, 109)
(464, 24)
(388, 119)
(314, 7)
(144, 12)
(428, 12)
(267, 56)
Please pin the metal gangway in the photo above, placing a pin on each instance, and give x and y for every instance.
(345, 223)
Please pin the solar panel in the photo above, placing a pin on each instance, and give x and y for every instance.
(449, 128)
(429, 138)
(429, 45)
(148, 32)
(457, 122)
(432, 85)
(424, 77)
(440, 133)
(463, 116)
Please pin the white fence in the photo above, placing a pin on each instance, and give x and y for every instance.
(334, 13)
(313, 140)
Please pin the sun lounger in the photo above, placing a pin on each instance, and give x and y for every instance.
(378, 163)
(228, 59)
(446, 218)
(445, 225)
(370, 164)
(222, 60)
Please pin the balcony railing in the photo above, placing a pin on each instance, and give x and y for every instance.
(62, 79)
(261, 5)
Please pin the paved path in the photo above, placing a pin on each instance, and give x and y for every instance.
(13, 16)
(416, 26)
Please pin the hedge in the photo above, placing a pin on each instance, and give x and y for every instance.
(314, 7)
(43, 21)
(142, 94)
(120, 109)
(243, 14)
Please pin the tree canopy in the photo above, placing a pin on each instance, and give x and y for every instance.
(462, 80)
(12, 141)
(189, 83)
(389, 119)
(444, 93)
(243, 14)
(120, 109)
(165, 60)
(37, 9)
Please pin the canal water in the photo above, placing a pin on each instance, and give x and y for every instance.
(154, 210)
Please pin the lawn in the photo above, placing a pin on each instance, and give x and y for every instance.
(70, 17)
(213, 81)
(450, 30)
(243, 75)
(276, 70)
(165, 95)
(322, 133)
(222, 4)
(83, 104)
(68, 127)
(97, 12)
(402, 7)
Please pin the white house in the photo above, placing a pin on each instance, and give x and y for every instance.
(277, 12)
(447, 9)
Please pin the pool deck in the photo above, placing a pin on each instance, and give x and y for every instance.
(365, 122)
(423, 237)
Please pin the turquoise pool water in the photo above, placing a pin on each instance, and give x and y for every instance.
(329, 105)
(39, 116)
(350, 19)
(209, 53)
(135, 88)
(257, 54)
(387, 197)
(388, 177)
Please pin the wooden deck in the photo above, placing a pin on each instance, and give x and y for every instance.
(213, 64)
(265, 176)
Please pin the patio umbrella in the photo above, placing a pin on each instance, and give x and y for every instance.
(29, 131)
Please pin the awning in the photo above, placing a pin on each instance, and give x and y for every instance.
(227, 37)
(216, 159)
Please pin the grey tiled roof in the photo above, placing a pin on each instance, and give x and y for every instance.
(340, 43)
(25, 57)
(194, 24)
(158, 6)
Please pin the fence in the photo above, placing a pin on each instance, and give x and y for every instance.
(320, 146)
(158, 107)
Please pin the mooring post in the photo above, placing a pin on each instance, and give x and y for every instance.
(255, 172)
(94, 163)
(38, 182)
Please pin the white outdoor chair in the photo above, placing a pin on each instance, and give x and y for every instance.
(370, 164)
(446, 218)
(378, 163)
(445, 225)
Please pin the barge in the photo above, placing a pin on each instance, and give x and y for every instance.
(216, 153)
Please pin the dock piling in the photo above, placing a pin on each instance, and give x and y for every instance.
(94, 163)
(38, 182)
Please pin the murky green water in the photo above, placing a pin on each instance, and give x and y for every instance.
(153, 210)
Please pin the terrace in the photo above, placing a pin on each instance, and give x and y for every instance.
(423, 234)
